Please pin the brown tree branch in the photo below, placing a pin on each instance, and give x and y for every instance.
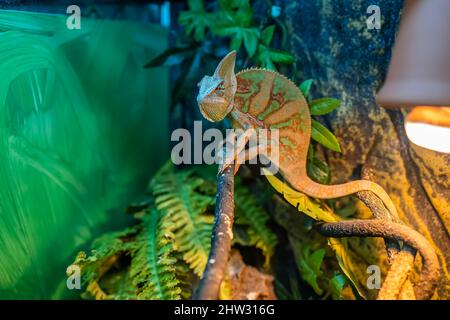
(401, 261)
(222, 235)
(394, 232)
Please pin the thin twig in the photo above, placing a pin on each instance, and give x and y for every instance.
(209, 286)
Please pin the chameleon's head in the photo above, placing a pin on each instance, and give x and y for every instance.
(216, 94)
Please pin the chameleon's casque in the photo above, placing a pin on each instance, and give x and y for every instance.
(216, 93)
(257, 98)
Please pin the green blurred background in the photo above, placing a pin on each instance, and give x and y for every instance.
(82, 127)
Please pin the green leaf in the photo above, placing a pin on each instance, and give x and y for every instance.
(323, 136)
(227, 31)
(309, 266)
(310, 152)
(347, 262)
(319, 171)
(236, 42)
(301, 201)
(269, 65)
(285, 294)
(196, 20)
(196, 5)
(251, 37)
(177, 197)
(336, 284)
(323, 106)
(229, 5)
(249, 212)
(267, 34)
(283, 57)
(153, 267)
(305, 87)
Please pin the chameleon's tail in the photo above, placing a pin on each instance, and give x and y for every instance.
(316, 190)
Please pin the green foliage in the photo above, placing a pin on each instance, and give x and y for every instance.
(323, 106)
(232, 25)
(160, 257)
(154, 266)
(184, 198)
(151, 270)
(309, 262)
(348, 260)
(267, 56)
(251, 214)
(336, 284)
(196, 20)
(317, 169)
(319, 133)
(324, 136)
(105, 253)
(177, 196)
(305, 87)
(316, 210)
(284, 294)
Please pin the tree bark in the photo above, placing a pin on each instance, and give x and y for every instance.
(222, 236)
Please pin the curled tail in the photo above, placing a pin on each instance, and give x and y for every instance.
(316, 190)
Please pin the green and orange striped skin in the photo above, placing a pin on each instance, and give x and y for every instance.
(257, 98)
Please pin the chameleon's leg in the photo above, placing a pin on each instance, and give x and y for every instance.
(239, 146)
(249, 154)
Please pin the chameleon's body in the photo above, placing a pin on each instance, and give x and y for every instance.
(257, 98)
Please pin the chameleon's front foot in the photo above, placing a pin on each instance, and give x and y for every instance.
(244, 155)
(236, 154)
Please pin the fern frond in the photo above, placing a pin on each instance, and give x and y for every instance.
(151, 273)
(153, 265)
(176, 195)
(185, 276)
(249, 212)
(96, 291)
(105, 253)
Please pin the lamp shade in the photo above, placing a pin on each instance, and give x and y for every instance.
(419, 71)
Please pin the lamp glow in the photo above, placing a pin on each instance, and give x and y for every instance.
(429, 127)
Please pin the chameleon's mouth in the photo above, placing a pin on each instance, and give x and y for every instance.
(205, 115)
(215, 110)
